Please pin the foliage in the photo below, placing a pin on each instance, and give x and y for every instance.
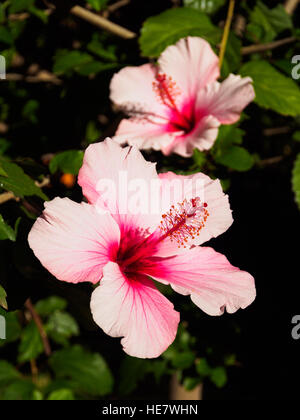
(55, 102)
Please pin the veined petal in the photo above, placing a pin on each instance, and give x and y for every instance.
(132, 90)
(226, 100)
(132, 308)
(73, 241)
(213, 283)
(202, 137)
(143, 134)
(191, 63)
(177, 188)
(118, 179)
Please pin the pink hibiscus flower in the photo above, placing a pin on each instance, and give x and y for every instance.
(127, 250)
(178, 105)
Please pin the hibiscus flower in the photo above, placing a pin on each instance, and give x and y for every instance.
(178, 105)
(127, 251)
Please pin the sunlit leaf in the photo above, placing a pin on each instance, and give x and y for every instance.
(167, 28)
(273, 90)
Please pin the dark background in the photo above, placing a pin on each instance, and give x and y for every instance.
(262, 240)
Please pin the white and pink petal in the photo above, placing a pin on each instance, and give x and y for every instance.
(176, 189)
(226, 100)
(73, 241)
(118, 179)
(131, 307)
(191, 63)
(213, 283)
(132, 90)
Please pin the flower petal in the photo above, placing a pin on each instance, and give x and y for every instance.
(192, 64)
(119, 180)
(132, 89)
(226, 100)
(143, 134)
(213, 283)
(176, 188)
(73, 241)
(202, 138)
(134, 309)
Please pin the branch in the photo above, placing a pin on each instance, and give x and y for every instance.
(101, 22)
(90, 17)
(274, 131)
(6, 196)
(290, 6)
(269, 46)
(38, 322)
(121, 3)
(42, 77)
(270, 161)
(226, 32)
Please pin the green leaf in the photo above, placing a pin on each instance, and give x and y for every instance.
(68, 162)
(167, 28)
(219, 376)
(47, 306)
(191, 383)
(236, 157)
(207, 6)
(92, 133)
(296, 136)
(265, 24)
(232, 58)
(4, 145)
(94, 67)
(296, 180)
(31, 345)
(13, 328)
(273, 90)
(226, 153)
(30, 109)
(61, 395)
(183, 360)
(66, 61)
(132, 371)
(8, 373)
(5, 36)
(97, 4)
(203, 368)
(18, 182)
(61, 326)
(6, 232)
(40, 14)
(88, 371)
(107, 53)
(3, 296)
(19, 390)
(37, 395)
(20, 5)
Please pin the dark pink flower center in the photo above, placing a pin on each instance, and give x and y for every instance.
(184, 119)
(181, 223)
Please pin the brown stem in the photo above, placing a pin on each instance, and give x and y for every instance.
(38, 322)
(290, 6)
(269, 46)
(121, 3)
(101, 22)
(270, 161)
(42, 77)
(273, 131)
(90, 17)
(34, 369)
